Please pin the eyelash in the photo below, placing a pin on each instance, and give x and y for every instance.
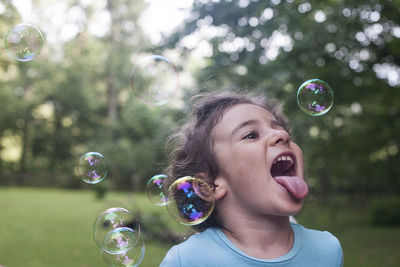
(254, 133)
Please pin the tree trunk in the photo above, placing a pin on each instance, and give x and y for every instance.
(111, 88)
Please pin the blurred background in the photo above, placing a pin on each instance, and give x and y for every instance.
(76, 97)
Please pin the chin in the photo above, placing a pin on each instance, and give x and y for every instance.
(294, 208)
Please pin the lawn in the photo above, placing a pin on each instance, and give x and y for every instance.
(50, 227)
(53, 227)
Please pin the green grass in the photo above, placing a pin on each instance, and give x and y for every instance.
(50, 227)
(53, 227)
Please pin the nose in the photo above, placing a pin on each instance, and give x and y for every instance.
(279, 136)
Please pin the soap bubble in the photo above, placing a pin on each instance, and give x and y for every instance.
(129, 258)
(155, 80)
(155, 190)
(190, 200)
(120, 240)
(111, 219)
(24, 42)
(315, 97)
(92, 168)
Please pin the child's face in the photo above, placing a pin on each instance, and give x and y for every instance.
(260, 167)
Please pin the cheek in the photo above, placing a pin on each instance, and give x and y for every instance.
(299, 155)
(245, 165)
(297, 150)
(244, 158)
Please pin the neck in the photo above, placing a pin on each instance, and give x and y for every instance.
(266, 237)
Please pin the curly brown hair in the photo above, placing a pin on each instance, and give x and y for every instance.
(193, 143)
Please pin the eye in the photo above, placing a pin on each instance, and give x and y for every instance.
(252, 135)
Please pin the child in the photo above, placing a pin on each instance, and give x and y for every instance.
(241, 146)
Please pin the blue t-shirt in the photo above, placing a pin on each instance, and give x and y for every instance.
(212, 248)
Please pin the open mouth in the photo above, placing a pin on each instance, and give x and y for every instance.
(284, 165)
(283, 170)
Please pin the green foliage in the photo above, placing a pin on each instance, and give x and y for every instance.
(157, 227)
(272, 47)
(269, 47)
(386, 212)
(75, 98)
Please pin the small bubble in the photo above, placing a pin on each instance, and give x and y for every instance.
(113, 218)
(315, 97)
(119, 240)
(92, 168)
(132, 257)
(155, 190)
(24, 42)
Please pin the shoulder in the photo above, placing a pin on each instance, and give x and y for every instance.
(317, 237)
(197, 248)
(172, 258)
(322, 244)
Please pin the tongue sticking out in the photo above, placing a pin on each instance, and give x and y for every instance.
(295, 185)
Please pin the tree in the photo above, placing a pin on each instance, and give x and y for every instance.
(76, 97)
(274, 46)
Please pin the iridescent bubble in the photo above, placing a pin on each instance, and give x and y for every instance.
(129, 258)
(92, 168)
(120, 240)
(190, 200)
(24, 42)
(155, 190)
(315, 97)
(111, 219)
(155, 80)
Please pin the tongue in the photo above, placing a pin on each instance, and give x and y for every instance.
(295, 185)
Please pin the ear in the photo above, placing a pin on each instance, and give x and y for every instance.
(219, 188)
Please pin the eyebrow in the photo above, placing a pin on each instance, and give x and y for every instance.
(277, 123)
(255, 121)
(244, 124)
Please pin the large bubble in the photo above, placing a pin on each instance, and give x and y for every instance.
(315, 97)
(190, 200)
(155, 80)
(92, 168)
(155, 189)
(24, 42)
(111, 219)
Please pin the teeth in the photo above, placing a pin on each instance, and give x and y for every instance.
(283, 158)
